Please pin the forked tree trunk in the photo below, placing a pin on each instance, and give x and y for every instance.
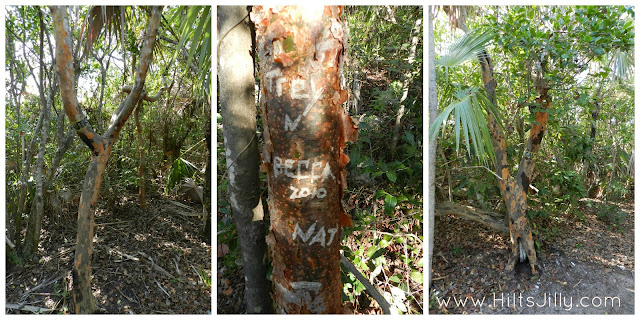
(514, 191)
(237, 87)
(305, 130)
(100, 146)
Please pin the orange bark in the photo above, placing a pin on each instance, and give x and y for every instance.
(99, 145)
(305, 132)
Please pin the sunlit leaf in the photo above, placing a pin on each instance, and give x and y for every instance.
(417, 276)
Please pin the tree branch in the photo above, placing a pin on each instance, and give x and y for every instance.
(484, 217)
(146, 52)
(373, 292)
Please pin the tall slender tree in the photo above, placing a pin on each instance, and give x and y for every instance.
(433, 113)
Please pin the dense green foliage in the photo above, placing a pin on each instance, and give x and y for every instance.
(587, 53)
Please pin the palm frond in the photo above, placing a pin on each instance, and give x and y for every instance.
(196, 40)
(464, 49)
(469, 106)
(623, 62)
(99, 18)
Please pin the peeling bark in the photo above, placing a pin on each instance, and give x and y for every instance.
(514, 195)
(305, 129)
(99, 145)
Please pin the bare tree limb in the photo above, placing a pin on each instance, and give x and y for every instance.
(373, 292)
(484, 217)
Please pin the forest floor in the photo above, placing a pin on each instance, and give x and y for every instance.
(587, 267)
(145, 261)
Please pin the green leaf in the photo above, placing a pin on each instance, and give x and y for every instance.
(599, 50)
(180, 169)
(390, 203)
(417, 276)
(391, 176)
(395, 278)
(464, 49)
(378, 253)
(380, 193)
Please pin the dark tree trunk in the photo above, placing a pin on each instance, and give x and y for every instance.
(34, 226)
(236, 85)
(142, 200)
(305, 129)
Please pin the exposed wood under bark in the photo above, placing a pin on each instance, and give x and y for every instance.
(513, 190)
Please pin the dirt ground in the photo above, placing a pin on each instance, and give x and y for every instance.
(587, 268)
(145, 261)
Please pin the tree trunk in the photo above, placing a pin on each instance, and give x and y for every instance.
(236, 85)
(142, 200)
(415, 38)
(433, 146)
(34, 226)
(100, 146)
(513, 190)
(17, 82)
(305, 130)
(26, 170)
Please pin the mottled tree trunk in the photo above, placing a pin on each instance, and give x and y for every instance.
(300, 51)
(514, 191)
(99, 145)
(237, 86)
